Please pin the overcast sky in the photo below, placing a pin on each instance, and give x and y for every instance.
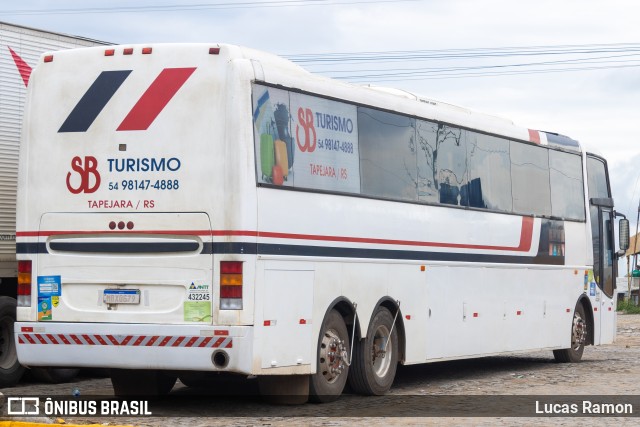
(599, 107)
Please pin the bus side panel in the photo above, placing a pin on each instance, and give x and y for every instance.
(487, 310)
(287, 297)
(409, 284)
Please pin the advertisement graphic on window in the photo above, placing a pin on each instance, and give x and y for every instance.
(305, 141)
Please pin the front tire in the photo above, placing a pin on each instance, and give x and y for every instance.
(579, 334)
(327, 384)
(375, 359)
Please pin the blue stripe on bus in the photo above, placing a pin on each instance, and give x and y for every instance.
(244, 248)
(94, 100)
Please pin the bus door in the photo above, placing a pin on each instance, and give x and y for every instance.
(607, 280)
(601, 285)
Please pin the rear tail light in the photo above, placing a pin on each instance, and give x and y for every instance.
(24, 283)
(231, 285)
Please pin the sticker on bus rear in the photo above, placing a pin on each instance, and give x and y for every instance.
(49, 292)
(49, 286)
(44, 309)
(197, 311)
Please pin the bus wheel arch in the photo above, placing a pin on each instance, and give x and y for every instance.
(348, 312)
(588, 310)
(396, 312)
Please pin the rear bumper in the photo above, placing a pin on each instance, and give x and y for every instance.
(134, 346)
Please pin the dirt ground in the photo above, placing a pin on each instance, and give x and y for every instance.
(420, 396)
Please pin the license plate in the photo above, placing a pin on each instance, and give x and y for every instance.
(121, 296)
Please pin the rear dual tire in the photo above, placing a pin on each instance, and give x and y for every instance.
(375, 358)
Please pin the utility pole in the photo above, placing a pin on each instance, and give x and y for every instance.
(635, 258)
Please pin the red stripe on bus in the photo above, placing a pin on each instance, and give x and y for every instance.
(526, 236)
(534, 136)
(155, 98)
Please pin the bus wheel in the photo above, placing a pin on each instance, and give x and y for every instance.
(375, 358)
(138, 382)
(579, 333)
(10, 369)
(327, 384)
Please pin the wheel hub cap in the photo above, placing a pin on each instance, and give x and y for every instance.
(332, 354)
(579, 336)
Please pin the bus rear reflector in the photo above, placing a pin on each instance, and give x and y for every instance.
(48, 58)
(231, 281)
(24, 283)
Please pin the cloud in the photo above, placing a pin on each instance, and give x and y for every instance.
(625, 183)
(599, 108)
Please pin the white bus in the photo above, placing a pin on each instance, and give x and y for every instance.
(210, 208)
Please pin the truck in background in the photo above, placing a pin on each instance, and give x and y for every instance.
(20, 49)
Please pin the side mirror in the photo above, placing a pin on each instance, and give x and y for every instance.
(623, 236)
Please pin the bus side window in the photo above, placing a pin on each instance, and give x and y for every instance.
(442, 163)
(530, 179)
(387, 155)
(489, 177)
(567, 198)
